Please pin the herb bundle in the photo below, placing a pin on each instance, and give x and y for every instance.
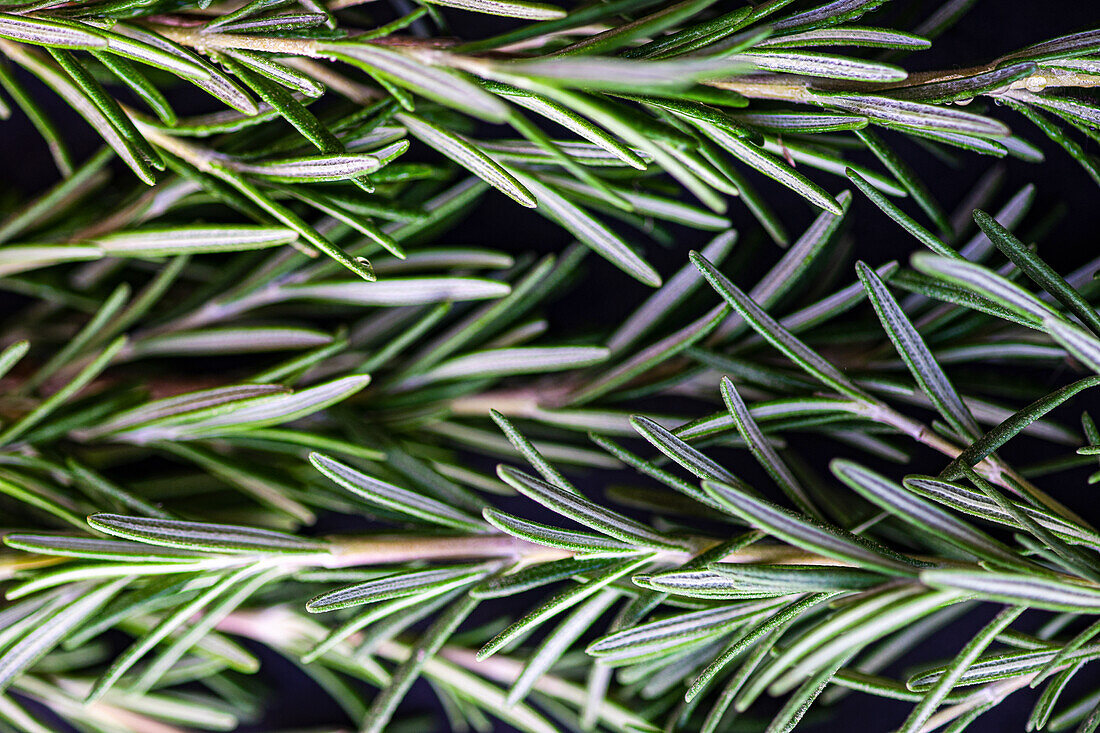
(333, 501)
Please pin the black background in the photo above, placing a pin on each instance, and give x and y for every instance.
(606, 296)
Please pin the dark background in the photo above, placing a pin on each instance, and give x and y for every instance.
(992, 28)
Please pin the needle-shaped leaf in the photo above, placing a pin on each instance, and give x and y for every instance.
(52, 33)
(250, 191)
(144, 644)
(161, 242)
(440, 85)
(770, 165)
(910, 508)
(558, 642)
(397, 291)
(586, 543)
(53, 627)
(653, 355)
(917, 356)
(404, 676)
(390, 587)
(96, 549)
(469, 157)
(825, 65)
(1039, 271)
(1011, 426)
(763, 451)
(539, 575)
(906, 222)
(507, 8)
(848, 35)
(1080, 343)
(619, 74)
(671, 294)
(986, 283)
(528, 450)
(1019, 589)
(977, 504)
(193, 404)
(589, 230)
(775, 334)
(204, 536)
(228, 341)
(518, 360)
(676, 631)
(559, 603)
(679, 451)
(957, 667)
(583, 511)
(394, 498)
(907, 177)
(809, 534)
(63, 395)
(913, 114)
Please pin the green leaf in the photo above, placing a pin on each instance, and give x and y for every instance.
(96, 549)
(79, 604)
(228, 341)
(163, 242)
(683, 454)
(440, 85)
(397, 291)
(1039, 271)
(986, 283)
(170, 623)
(907, 177)
(394, 498)
(824, 65)
(1018, 589)
(469, 157)
(559, 603)
(275, 71)
(775, 334)
(659, 637)
(11, 355)
(670, 295)
(809, 534)
(848, 35)
(1078, 342)
(906, 222)
(284, 215)
(617, 74)
(204, 536)
(913, 510)
(390, 587)
(528, 450)
(647, 26)
(506, 8)
(427, 646)
(557, 642)
(911, 114)
(61, 396)
(917, 356)
(763, 451)
(979, 505)
(583, 511)
(652, 356)
(771, 166)
(519, 360)
(589, 230)
(1011, 426)
(49, 33)
(586, 543)
(536, 576)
